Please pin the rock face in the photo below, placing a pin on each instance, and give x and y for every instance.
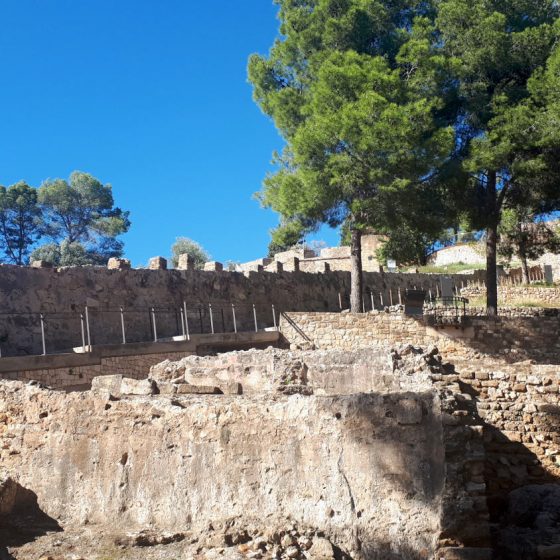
(364, 471)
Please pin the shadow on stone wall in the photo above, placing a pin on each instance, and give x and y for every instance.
(22, 520)
(522, 493)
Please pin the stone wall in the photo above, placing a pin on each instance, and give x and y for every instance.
(516, 338)
(76, 370)
(508, 295)
(61, 294)
(466, 253)
(365, 469)
(80, 377)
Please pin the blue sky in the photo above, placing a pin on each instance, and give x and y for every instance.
(152, 97)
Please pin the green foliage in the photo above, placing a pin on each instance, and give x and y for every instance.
(66, 253)
(20, 221)
(504, 57)
(358, 90)
(523, 236)
(285, 236)
(79, 215)
(184, 245)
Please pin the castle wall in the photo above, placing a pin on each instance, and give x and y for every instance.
(62, 294)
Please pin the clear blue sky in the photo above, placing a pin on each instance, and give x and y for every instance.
(152, 97)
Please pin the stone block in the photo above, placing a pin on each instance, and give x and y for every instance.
(136, 387)
(213, 266)
(291, 265)
(185, 262)
(41, 264)
(188, 389)
(232, 388)
(275, 266)
(115, 263)
(157, 263)
(107, 383)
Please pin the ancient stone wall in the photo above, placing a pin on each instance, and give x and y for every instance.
(514, 337)
(509, 295)
(366, 469)
(62, 294)
(466, 253)
(79, 377)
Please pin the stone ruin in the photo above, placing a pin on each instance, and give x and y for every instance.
(373, 453)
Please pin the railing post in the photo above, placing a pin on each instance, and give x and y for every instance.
(154, 323)
(200, 319)
(255, 317)
(186, 320)
(274, 316)
(88, 330)
(183, 323)
(83, 332)
(122, 326)
(234, 319)
(339, 301)
(211, 318)
(372, 302)
(43, 334)
(381, 299)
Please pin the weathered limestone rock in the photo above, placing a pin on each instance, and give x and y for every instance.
(185, 262)
(213, 266)
(41, 264)
(342, 465)
(115, 263)
(157, 263)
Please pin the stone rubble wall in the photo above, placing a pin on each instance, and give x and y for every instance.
(466, 253)
(79, 377)
(367, 469)
(508, 295)
(61, 294)
(518, 337)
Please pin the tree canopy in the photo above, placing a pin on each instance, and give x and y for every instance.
(184, 245)
(80, 217)
(359, 124)
(20, 221)
(411, 116)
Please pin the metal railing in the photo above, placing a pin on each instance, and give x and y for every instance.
(447, 309)
(63, 331)
(51, 332)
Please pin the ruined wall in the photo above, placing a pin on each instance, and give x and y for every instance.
(76, 377)
(509, 295)
(514, 337)
(61, 295)
(366, 469)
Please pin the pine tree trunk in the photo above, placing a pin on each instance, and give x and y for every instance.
(524, 268)
(356, 271)
(491, 248)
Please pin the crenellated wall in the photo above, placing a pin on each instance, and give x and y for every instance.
(61, 295)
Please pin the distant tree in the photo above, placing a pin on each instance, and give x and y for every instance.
(286, 235)
(81, 212)
(76, 254)
(184, 245)
(523, 236)
(20, 221)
